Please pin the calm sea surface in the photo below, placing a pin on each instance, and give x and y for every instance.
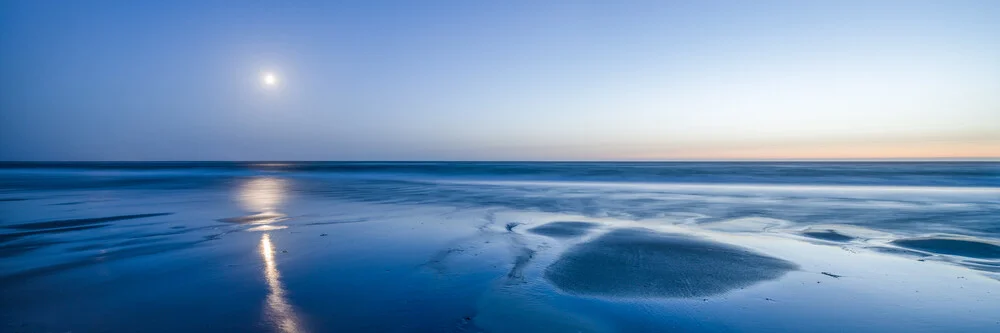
(500, 247)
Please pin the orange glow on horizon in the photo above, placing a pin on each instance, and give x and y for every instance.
(924, 150)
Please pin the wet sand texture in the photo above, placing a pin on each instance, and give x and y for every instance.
(78, 222)
(643, 263)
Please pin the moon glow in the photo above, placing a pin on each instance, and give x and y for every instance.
(269, 79)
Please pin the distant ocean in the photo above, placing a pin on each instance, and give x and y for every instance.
(500, 246)
(976, 174)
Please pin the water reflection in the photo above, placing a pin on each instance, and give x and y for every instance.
(279, 311)
(263, 194)
(263, 197)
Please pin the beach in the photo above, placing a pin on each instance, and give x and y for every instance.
(500, 247)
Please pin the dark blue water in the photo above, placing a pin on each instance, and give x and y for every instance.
(500, 247)
(928, 196)
(978, 174)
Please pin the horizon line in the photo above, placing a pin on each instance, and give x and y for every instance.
(975, 159)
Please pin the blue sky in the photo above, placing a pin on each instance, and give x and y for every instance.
(504, 80)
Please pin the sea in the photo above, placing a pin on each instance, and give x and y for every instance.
(500, 246)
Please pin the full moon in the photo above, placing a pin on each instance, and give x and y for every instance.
(269, 79)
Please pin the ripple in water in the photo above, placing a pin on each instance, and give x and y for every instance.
(952, 246)
(563, 229)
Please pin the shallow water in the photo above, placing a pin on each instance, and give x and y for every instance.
(500, 247)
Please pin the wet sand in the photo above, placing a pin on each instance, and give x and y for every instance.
(643, 263)
(272, 253)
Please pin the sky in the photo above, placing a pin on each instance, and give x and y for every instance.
(499, 80)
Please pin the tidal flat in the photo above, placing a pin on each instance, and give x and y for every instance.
(500, 247)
